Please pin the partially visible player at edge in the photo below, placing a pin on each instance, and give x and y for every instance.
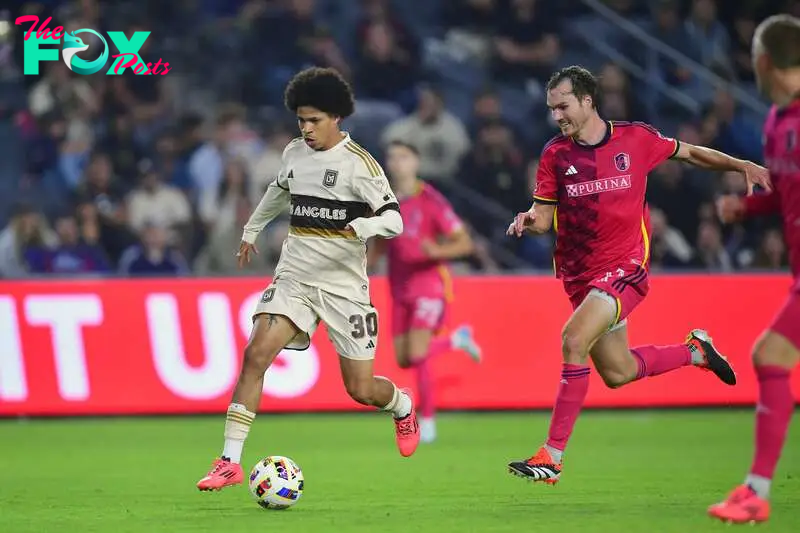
(332, 185)
(776, 62)
(419, 279)
(592, 180)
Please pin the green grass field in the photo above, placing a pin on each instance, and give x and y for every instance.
(625, 472)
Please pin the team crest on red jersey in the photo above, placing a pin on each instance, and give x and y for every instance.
(622, 161)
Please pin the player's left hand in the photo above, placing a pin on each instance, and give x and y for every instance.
(756, 175)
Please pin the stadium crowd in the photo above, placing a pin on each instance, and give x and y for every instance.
(155, 175)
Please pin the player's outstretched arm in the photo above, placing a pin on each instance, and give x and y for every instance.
(273, 203)
(708, 158)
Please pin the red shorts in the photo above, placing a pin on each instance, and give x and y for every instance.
(787, 321)
(418, 313)
(627, 285)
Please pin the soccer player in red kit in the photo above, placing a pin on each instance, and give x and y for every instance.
(591, 184)
(419, 278)
(776, 62)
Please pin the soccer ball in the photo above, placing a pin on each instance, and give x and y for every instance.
(276, 482)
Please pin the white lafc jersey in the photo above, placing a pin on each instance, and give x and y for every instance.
(328, 189)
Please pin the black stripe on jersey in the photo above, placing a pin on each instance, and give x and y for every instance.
(324, 214)
(677, 148)
(394, 206)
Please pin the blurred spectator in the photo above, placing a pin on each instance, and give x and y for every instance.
(232, 138)
(772, 252)
(526, 43)
(618, 101)
(220, 205)
(27, 228)
(670, 191)
(669, 29)
(70, 255)
(101, 190)
(496, 170)
(708, 35)
(123, 149)
(668, 247)
(711, 252)
(735, 134)
(218, 257)
(386, 71)
(153, 257)
(438, 135)
(155, 202)
(265, 166)
(744, 26)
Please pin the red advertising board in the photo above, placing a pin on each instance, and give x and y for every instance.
(174, 346)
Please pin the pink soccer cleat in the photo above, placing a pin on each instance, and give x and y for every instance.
(222, 474)
(406, 430)
(743, 506)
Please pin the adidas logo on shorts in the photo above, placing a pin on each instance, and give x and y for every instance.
(370, 345)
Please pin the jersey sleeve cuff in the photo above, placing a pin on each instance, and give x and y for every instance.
(676, 150)
(393, 206)
(544, 200)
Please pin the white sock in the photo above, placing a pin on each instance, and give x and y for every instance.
(697, 356)
(554, 453)
(760, 485)
(237, 426)
(400, 404)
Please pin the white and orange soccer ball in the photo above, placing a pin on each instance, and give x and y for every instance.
(276, 482)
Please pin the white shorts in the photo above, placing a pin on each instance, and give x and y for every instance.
(352, 326)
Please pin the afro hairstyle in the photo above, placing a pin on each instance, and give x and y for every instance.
(322, 88)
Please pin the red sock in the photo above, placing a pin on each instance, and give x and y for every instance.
(655, 360)
(773, 413)
(425, 401)
(571, 393)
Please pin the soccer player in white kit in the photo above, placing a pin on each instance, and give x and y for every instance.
(338, 197)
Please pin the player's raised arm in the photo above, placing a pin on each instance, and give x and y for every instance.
(708, 158)
(371, 185)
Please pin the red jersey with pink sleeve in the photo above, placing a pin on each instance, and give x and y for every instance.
(602, 220)
(427, 215)
(782, 155)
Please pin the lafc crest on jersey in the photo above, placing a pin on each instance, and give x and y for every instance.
(329, 179)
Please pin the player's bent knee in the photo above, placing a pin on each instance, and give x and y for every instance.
(772, 349)
(614, 380)
(574, 347)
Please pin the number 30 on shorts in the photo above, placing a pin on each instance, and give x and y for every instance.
(364, 325)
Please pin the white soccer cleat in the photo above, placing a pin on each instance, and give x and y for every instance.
(462, 339)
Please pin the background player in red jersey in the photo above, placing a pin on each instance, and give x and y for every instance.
(776, 62)
(419, 278)
(592, 180)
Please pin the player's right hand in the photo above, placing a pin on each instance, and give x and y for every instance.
(521, 222)
(730, 208)
(243, 255)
